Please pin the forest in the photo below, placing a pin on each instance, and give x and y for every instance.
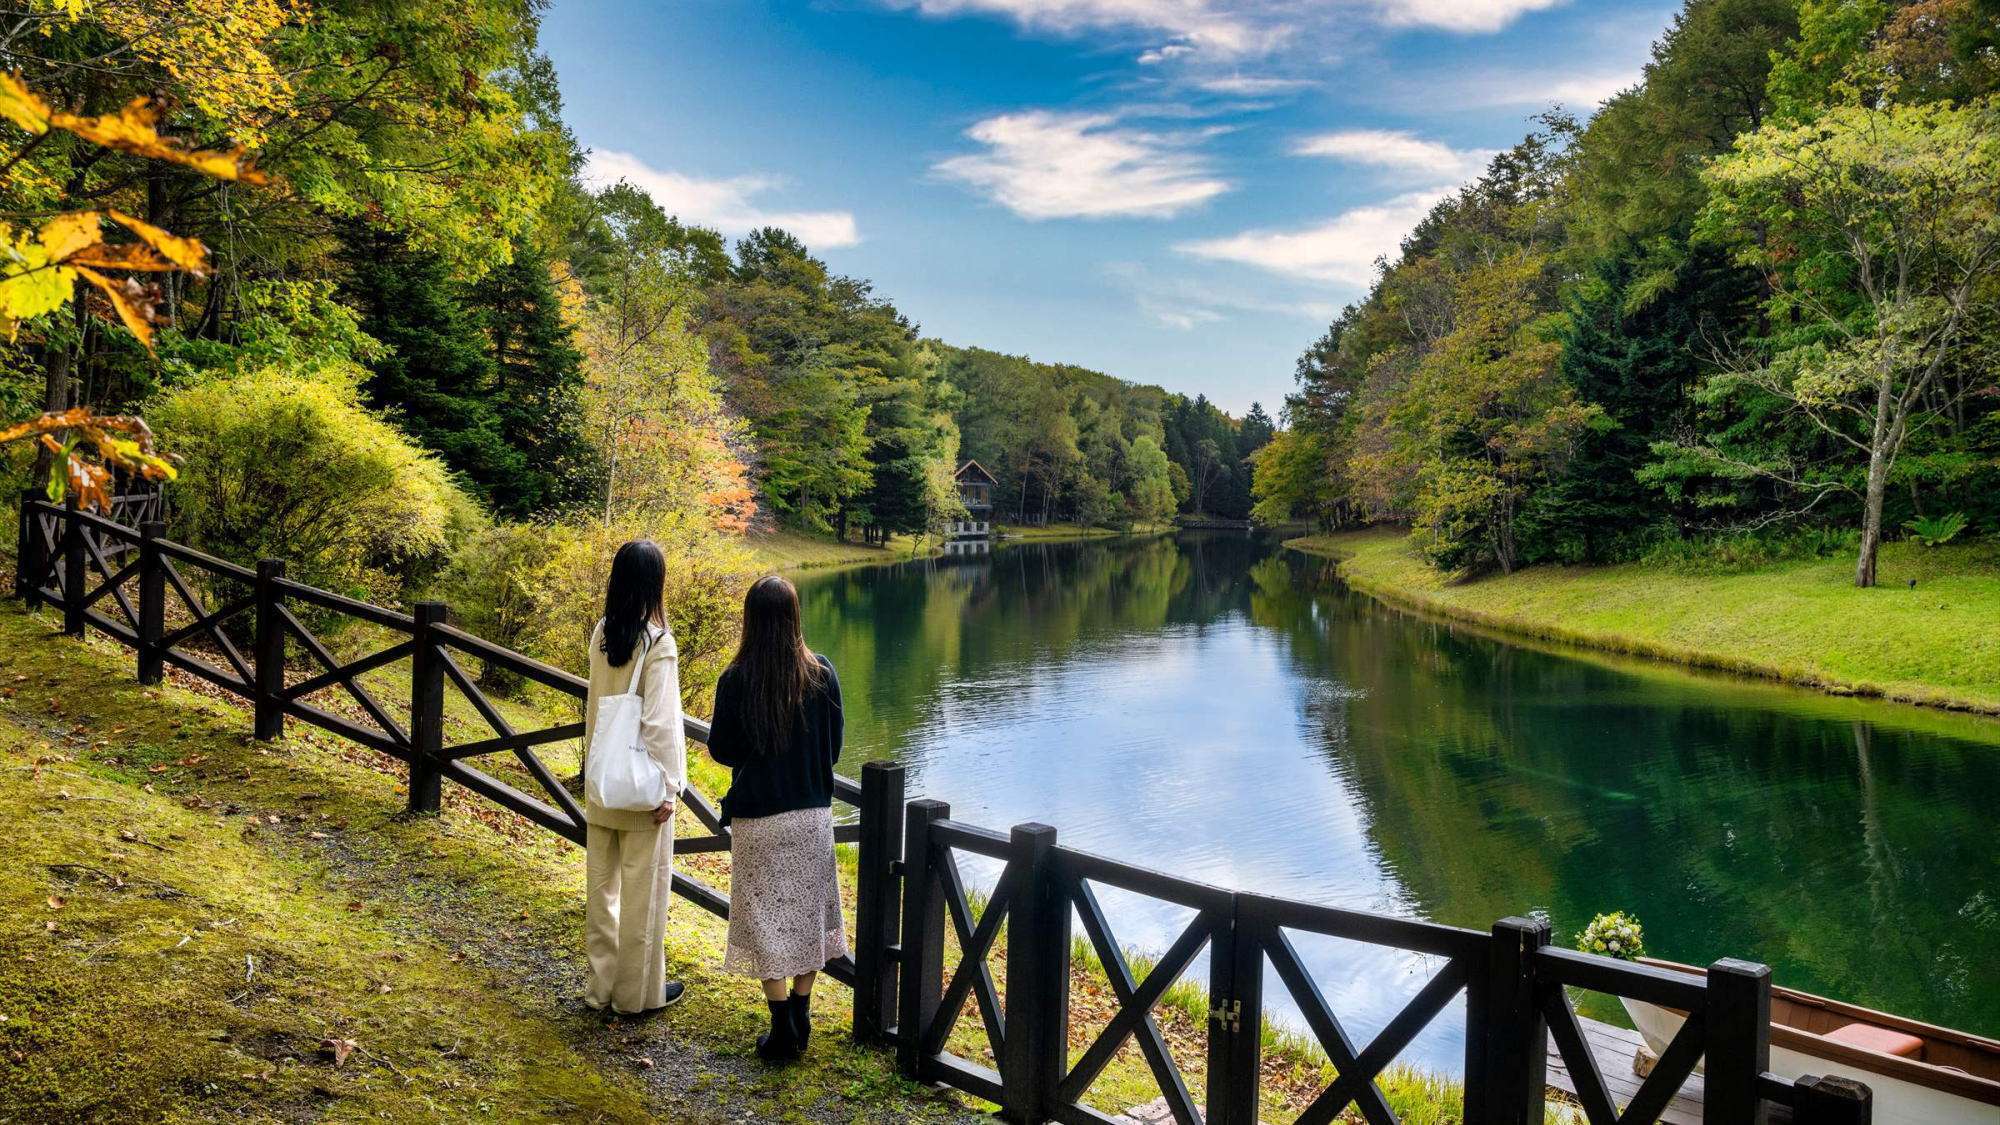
(342, 260)
(1749, 309)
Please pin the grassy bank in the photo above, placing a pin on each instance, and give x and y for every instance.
(1800, 622)
(191, 914)
(788, 549)
(1056, 531)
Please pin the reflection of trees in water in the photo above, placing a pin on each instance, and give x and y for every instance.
(1498, 779)
(1495, 780)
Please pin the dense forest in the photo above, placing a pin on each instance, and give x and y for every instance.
(342, 259)
(1754, 301)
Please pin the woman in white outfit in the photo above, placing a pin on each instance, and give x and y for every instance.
(630, 864)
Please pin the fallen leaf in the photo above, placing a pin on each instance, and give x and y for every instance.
(337, 1050)
(51, 926)
(56, 902)
(644, 1062)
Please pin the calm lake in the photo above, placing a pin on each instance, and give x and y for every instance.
(1217, 707)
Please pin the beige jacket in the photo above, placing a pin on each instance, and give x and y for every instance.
(659, 717)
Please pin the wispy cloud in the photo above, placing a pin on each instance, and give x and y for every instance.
(1341, 250)
(1185, 303)
(1214, 29)
(1042, 164)
(1252, 86)
(729, 204)
(1396, 151)
(1459, 15)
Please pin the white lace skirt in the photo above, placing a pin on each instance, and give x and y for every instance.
(784, 896)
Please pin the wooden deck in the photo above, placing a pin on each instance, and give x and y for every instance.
(1613, 1047)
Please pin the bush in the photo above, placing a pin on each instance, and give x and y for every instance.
(539, 589)
(275, 465)
(1744, 551)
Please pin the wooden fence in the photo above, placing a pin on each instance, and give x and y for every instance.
(121, 576)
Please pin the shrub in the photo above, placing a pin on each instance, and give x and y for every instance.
(540, 588)
(283, 466)
(1742, 551)
(1613, 935)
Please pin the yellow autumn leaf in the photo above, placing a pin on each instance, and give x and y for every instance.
(64, 235)
(21, 105)
(131, 256)
(187, 253)
(132, 315)
(131, 130)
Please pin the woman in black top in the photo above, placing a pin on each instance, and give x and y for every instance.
(777, 727)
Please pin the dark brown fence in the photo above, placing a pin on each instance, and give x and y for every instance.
(120, 575)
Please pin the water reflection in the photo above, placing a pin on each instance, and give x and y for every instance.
(1218, 708)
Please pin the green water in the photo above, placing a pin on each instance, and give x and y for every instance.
(1217, 707)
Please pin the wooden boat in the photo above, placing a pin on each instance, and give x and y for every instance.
(1921, 1074)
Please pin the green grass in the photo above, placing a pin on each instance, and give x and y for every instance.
(790, 549)
(1071, 531)
(220, 906)
(1801, 622)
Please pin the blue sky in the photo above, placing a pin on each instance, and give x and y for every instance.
(1179, 192)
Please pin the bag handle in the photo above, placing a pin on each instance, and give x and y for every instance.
(639, 661)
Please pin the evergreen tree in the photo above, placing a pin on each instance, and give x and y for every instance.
(437, 374)
(537, 389)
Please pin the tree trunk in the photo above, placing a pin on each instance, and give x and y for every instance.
(1880, 452)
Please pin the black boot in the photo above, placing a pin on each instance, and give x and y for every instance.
(801, 1006)
(781, 1043)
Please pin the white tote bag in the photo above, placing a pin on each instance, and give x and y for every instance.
(620, 774)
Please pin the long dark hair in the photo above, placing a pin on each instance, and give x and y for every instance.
(774, 664)
(632, 597)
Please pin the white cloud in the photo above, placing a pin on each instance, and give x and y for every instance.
(728, 205)
(1192, 25)
(1397, 151)
(1341, 250)
(1046, 165)
(1459, 15)
(1250, 86)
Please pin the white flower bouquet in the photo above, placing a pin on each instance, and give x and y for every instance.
(1613, 935)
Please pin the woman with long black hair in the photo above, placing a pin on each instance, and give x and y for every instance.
(631, 851)
(778, 728)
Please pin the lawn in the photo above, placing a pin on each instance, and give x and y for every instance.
(789, 549)
(1926, 635)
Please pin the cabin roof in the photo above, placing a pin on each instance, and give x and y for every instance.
(971, 467)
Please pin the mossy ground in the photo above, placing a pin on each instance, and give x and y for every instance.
(1931, 643)
(221, 906)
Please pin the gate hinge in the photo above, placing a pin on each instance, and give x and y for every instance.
(1229, 1014)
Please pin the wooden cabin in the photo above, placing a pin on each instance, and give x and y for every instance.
(975, 491)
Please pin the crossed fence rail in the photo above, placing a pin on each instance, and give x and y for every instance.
(117, 573)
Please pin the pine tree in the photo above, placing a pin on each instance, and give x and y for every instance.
(537, 389)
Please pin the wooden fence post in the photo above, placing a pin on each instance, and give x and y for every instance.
(877, 901)
(1235, 1020)
(268, 692)
(1739, 1042)
(1512, 1084)
(1035, 1053)
(152, 602)
(1833, 1100)
(28, 559)
(73, 567)
(922, 983)
(427, 712)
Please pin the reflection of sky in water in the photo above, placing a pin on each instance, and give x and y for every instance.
(1195, 708)
(1188, 751)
